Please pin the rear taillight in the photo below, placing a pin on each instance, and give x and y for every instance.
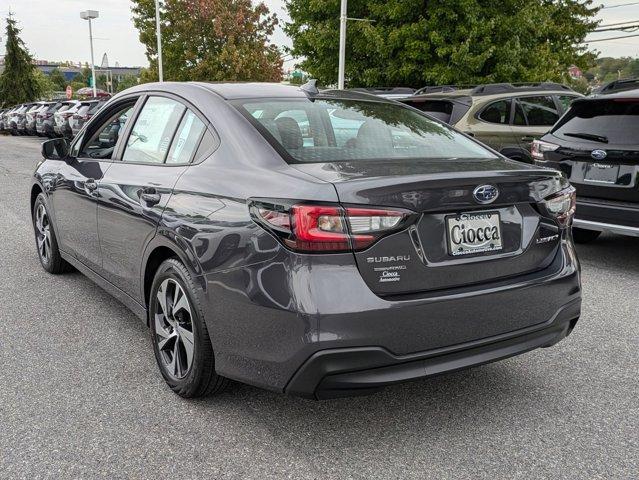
(561, 205)
(538, 148)
(328, 228)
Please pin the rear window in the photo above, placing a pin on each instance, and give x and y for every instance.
(617, 121)
(440, 109)
(95, 107)
(334, 130)
(84, 108)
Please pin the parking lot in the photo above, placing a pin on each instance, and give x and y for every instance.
(81, 396)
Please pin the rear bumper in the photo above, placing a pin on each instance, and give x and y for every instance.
(356, 371)
(607, 216)
(285, 325)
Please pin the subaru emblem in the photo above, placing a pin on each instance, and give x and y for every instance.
(598, 154)
(486, 194)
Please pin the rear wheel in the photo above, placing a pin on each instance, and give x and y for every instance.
(584, 236)
(181, 340)
(47, 244)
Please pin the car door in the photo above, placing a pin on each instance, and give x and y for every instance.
(533, 117)
(75, 193)
(137, 187)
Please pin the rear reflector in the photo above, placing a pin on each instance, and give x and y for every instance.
(328, 228)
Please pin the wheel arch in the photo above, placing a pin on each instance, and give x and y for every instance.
(162, 248)
(36, 189)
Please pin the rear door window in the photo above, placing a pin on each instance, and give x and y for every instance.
(608, 121)
(153, 131)
(536, 111)
(497, 112)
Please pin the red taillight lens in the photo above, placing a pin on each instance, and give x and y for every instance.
(318, 229)
(328, 228)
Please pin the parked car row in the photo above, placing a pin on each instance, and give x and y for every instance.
(592, 140)
(58, 118)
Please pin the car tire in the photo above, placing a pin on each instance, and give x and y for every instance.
(46, 241)
(181, 341)
(580, 235)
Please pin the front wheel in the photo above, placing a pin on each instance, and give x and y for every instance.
(181, 340)
(580, 235)
(48, 251)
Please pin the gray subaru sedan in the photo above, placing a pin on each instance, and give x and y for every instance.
(315, 243)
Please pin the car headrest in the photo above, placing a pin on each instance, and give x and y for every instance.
(290, 133)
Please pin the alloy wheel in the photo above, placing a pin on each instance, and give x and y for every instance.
(174, 328)
(43, 233)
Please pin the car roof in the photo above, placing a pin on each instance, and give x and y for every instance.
(256, 90)
(634, 93)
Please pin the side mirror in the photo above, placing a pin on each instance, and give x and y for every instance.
(56, 149)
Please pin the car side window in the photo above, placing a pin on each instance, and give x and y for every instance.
(186, 139)
(497, 112)
(539, 111)
(153, 131)
(103, 142)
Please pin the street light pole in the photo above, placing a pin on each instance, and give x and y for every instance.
(342, 45)
(158, 34)
(89, 15)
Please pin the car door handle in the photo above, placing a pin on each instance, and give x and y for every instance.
(150, 196)
(90, 185)
(527, 139)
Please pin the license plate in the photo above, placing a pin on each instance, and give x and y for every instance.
(601, 173)
(475, 232)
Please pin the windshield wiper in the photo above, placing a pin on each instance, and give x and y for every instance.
(588, 136)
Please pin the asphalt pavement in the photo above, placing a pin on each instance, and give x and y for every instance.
(81, 396)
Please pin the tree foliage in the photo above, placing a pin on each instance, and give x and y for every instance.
(58, 80)
(421, 42)
(19, 82)
(608, 69)
(210, 40)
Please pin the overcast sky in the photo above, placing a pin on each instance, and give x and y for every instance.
(53, 30)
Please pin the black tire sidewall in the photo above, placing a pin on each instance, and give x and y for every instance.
(187, 386)
(40, 200)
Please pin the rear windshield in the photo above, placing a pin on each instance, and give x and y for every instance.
(612, 121)
(332, 130)
(95, 107)
(440, 109)
(84, 108)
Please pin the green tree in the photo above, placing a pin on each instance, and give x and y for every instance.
(421, 42)
(45, 85)
(210, 40)
(19, 82)
(125, 82)
(58, 80)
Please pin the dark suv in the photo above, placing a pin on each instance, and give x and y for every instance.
(596, 145)
(504, 116)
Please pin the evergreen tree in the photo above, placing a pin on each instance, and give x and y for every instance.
(19, 81)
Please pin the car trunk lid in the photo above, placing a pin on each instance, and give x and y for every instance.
(424, 257)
